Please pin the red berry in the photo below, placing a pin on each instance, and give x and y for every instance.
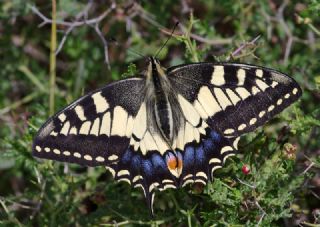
(245, 169)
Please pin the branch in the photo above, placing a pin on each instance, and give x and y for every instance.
(94, 23)
(244, 45)
(18, 103)
(150, 19)
(263, 212)
(83, 13)
(286, 29)
(249, 185)
(198, 38)
(105, 44)
(98, 19)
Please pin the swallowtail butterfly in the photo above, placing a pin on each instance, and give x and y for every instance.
(170, 127)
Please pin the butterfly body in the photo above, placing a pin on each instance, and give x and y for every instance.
(170, 128)
(162, 100)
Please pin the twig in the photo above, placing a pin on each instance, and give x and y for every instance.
(94, 22)
(307, 21)
(244, 45)
(18, 103)
(4, 206)
(83, 13)
(206, 40)
(286, 29)
(147, 16)
(33, 78)
(14, 205)
(64, 38)
(43, 186)
(263, 213)
(35, 52)
(315, 195)
(150, 19)
(279, 18)
(307, 169)
(197, 37)
(249, 185)
(11, 217)
(98, 19)
(269, 20)
(309, 224)
(314, 29)
(105, 45)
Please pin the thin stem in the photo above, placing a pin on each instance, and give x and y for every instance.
(313, 28)
(244, 45)
(53, 47)
(189, 219)
(310, 224)
(188, 41)
(18, 103)
(33, 78)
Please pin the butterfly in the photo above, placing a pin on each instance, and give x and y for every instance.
(170, 127)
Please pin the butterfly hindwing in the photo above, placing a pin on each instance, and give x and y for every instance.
(234, 98)
(202, 149)
(95, 129)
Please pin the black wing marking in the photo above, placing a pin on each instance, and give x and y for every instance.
(95, 129)
(234, 98)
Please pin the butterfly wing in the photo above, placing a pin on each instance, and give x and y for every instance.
(95, 129)
(109, 127)
(234, 98)
(231, 99)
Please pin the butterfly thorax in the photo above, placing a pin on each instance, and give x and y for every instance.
(161, 102)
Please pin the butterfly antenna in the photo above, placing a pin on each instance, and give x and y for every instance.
(136, 53)
(174, 28)
(132, 51)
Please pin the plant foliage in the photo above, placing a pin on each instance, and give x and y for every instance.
(282, 187)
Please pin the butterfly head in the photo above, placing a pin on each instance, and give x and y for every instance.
(153, 60)
(154, 68)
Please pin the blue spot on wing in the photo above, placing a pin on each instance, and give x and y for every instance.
(200, 156)
(188, 157)
(158, 162)
(196, 156)
(147, 168)
(126, 158)
(208, 145)
(136, 163)
(215, 136)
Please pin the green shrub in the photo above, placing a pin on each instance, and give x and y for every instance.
(283, 156)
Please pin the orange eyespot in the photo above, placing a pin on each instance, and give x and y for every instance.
(172, 162)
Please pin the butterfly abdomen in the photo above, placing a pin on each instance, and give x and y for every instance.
(163, 116)
(165, 104)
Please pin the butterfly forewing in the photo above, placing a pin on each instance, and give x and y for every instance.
(234, 98)
(95, 129)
